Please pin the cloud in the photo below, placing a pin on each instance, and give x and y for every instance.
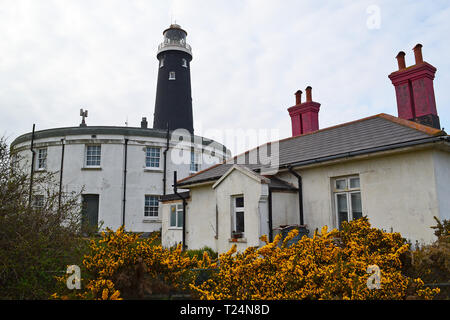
(249, 58)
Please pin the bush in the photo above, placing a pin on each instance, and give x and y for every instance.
(123, 265)
(431, 262)
(330, 265)
(36, 243)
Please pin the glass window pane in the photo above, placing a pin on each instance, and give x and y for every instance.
(356, 205)
(180, 218)
(341, 184)
(354, 182)
(342, 202)
(173, 216)
(239, 202)
(342, 208)
(239, 221)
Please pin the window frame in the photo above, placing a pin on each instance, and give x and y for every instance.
(194, 163)
(347, 191)
(178, 210)
(150, 206)
(172, 75)
(184, 63)
(150, 158)
(86, 155)
(39, 159)
(236, 210)
(38, 201)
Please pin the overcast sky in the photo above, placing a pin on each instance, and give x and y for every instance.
(249, 58)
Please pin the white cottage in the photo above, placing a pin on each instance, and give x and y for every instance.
(394, 170)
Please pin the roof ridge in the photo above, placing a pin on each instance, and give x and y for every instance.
(413, 125)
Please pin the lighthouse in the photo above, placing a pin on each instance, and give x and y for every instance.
(173, 106)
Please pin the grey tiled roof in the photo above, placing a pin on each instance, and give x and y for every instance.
(362, 135)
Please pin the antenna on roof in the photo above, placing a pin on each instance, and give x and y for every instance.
(84, 115)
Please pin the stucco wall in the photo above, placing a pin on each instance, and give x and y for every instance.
(398, 193)
(107, 181)
(442, 173)
(284, 209)
(171, 236)
(255, 203)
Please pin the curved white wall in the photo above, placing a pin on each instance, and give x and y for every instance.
(108, 180)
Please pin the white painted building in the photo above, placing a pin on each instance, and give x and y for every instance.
(394, 170)
(112, 188)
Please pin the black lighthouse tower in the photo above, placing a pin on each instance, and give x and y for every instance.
(173, 105)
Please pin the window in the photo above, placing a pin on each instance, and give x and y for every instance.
(161, 63)
(347, 199)
(152, 157)
(93, 156)
(238, 215)
(38, 201)
(151, 206)
(176, 216)
(42, 159)
(172, 75)
(194, 162)
(184, 63)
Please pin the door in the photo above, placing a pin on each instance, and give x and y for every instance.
(90, 210)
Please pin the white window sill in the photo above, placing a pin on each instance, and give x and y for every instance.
(91, 168)
(150, 169)
(238, 240)
(193, 172)
(175, 228)
(41, 170)
(151, 220)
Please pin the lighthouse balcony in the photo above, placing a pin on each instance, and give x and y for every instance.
(170, 44)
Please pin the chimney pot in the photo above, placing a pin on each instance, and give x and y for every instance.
(298, 97)
(401, 60)
(308, 94)
(418, 53)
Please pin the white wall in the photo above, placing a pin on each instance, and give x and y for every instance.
(284, 209)
(201, 218)
(107, 181)
(170, 236)
(442, 173)
(398, 192)
(255, 204)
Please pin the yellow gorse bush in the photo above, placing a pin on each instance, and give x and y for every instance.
(121, 259)
(329, 265)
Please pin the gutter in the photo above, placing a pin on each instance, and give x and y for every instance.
(33, 156)
(63, 145)
(270, 216)
(369, 150)
(175, 191)
(165, 161)
(124, 181)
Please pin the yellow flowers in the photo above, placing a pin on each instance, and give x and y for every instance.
(329, 265)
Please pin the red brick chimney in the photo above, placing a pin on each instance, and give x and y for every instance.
(304, 116)
(414, 90)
